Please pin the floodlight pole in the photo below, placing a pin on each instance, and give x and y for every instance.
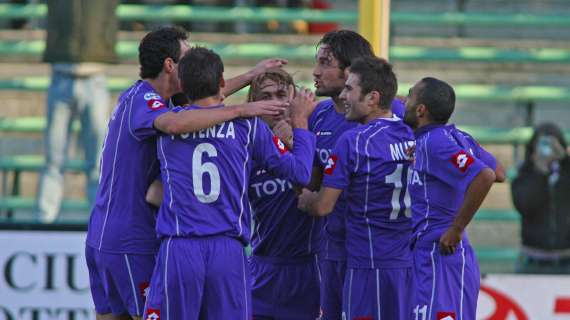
(374, 24)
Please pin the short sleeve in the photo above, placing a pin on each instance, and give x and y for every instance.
(338, 168)
(478, 151)
(453, 164)
(142, 113)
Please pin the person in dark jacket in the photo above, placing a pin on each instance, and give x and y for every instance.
(541, 194)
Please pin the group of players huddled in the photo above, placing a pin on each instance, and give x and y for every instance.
(355, 207)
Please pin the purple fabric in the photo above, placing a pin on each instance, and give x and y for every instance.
(285, 288)
(370, 164)
(202, 278)
(377, 293)
(444, 284)
(332, 282)
(118, 282)
(121, 220)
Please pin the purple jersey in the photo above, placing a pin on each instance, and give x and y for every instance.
(121, 220)
(328, 125)
(370, 164)
(206, 175)
(446, 161)
(281, 230)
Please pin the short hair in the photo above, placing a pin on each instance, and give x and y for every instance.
(346, 45)
(376, 74)
(277, 75)
(200, 71)
(438, 97)
(157, 46)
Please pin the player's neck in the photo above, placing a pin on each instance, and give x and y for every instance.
(376, 114)
(162, 87)
(338, 105)
(211, 101)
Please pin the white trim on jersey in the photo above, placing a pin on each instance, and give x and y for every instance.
(462, 280)
(245, 179)
(130, 111)
(318, 268)
(350, 293)
(366, 194)
(133, 286)
(356, 146)
(114, 167)
(425, 185)
(433, 280)
(310, 242)
(169, 185)
(325, 109)
(166, 278)
(378, 292)
(245, 291)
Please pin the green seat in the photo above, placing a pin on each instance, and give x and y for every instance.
(19, 203)
(35, 163)
(497, 215)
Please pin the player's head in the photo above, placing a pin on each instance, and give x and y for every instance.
(371, 85)
(336, 51)
(429, 101)
(161, 50)
(274, 84)
(201, 73)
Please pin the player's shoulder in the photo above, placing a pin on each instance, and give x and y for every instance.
(322, 108)
(145, 94)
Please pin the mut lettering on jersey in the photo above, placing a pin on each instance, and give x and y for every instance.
(224, 130)
(398, 150)
(271, 187)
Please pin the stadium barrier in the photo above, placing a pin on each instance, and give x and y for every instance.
(398, 53)
(181, 13)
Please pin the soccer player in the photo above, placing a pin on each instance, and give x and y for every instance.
(336, 51)
(370, 165)
(121, 239)
(449, 179)
(285, 278)
(204, 220)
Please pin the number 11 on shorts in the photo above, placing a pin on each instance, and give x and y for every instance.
(421, 313)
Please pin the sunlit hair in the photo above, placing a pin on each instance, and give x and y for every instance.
(277, 75)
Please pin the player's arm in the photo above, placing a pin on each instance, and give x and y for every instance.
(154, 193)
(316, 178)
(474, 196)
(198, 119)
(319, 203)
(237, 83)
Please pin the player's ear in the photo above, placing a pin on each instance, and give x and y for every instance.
(222, 82)
(374, 98)
(168, 65)
(290, 92)
(421, 111)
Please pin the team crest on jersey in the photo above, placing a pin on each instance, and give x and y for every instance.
(441, 315)
(279, 145)
(462, 160)
(143, 289)
(152, 314)
(331, 164)
(151, 96)
(155, 104)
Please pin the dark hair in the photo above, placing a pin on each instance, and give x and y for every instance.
(376, 74)
(438, 97)
(157, 46)
(346, 45)
(547, 128)
(200, 71)
(277, 75)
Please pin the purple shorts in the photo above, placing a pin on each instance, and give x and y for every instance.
(381, 293)
(332, 281)
(285, 288)
(200, 278)
(119, 282)
(444, 285)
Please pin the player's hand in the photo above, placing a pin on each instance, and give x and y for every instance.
(450, 239)
(263, 65)
(305, 199)
(262, 108)
(303, 104)
(283, 131)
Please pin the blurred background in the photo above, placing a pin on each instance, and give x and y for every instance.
(508, 60)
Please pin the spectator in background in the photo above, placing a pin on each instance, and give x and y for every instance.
(541, 194)
(81, 38)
